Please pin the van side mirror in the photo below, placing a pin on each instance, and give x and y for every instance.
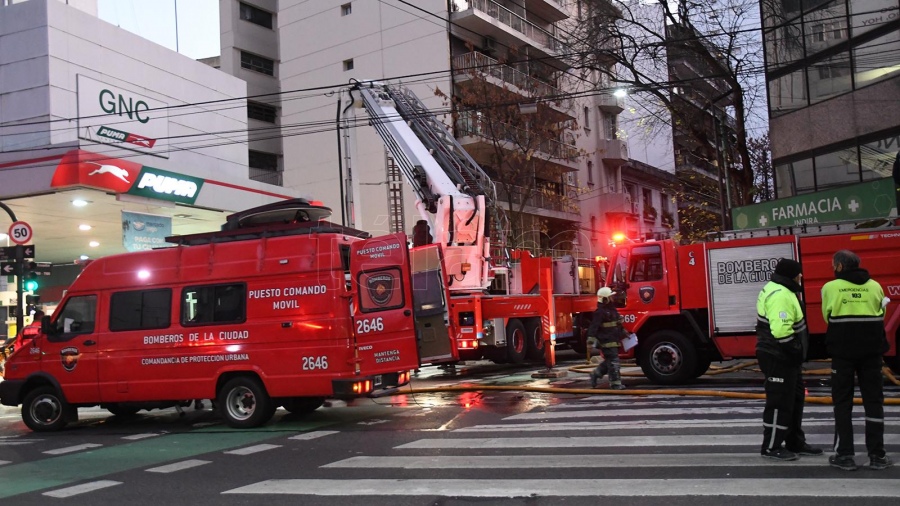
(47, 327)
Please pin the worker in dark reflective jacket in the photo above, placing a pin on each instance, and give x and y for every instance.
(853, 305)
(781, 346)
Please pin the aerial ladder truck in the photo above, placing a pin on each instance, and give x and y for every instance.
(504, 307)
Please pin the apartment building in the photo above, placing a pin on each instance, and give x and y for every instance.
(495, 72)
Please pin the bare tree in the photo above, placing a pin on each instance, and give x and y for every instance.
(633, 43)
(525, 145)
(763, 170)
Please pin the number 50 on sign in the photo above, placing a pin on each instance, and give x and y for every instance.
(20, 232)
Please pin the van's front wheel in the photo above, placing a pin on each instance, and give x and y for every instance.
(244, 403)
(44, 410)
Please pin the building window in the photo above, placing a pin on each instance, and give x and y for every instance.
(610, 125)
(346, 9)
(262, 161)
(348, 64)
(140, 309)
(257, 63)
(587, 119)
(590, 173)
(256, 16)
(261, 112)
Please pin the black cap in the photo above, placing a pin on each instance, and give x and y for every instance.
(788, 268)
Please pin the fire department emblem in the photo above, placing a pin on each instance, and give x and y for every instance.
(69, 357)
(646, 293)
(381, 288)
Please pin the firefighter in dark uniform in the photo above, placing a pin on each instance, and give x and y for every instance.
(781, 346)
(853, 305)
(605, 332)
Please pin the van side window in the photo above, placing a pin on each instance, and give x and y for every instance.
(380, 290)
(140, 309)
(77, 316)
(204, 305)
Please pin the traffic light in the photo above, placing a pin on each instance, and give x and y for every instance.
(32, 270)
(31, 285)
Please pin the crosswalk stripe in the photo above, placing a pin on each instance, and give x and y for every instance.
(252, 449)
(313, 435)
(754, 487)
(638, 424)
(648, 441)
(82, 488)
(569, 461)
(70, 449)
(178, 466)
(669, 412)
(637, 404)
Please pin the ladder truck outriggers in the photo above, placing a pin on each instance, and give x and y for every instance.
(506, 308)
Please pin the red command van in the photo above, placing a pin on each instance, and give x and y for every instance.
(280, 308)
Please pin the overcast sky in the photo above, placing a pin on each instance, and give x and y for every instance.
(198, 23)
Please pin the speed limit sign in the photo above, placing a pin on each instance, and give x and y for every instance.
(20, 232)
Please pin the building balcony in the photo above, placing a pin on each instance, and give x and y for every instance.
(550, 10)
(267, 176)
(480, 137)
(614, 151)
(539, 202)
(611, 103)
(488, 18)
(618, 204)
(466, 64)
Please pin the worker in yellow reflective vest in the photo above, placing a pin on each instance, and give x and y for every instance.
(781, 347)
(853, 305)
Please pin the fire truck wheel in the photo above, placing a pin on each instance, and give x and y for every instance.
(516, 342)
(245, 403)
(668, 358)
(535, 337)
(703, 363)
(302, 405)
(44, 410)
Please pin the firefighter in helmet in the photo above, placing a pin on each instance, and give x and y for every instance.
(782, 340)
(605, 332)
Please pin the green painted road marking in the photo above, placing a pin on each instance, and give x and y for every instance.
(58, 471)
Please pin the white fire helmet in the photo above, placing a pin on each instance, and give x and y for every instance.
(604, 293)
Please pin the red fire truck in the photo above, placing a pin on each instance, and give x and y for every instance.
(695, 304)
(280, 308)
(506, 307)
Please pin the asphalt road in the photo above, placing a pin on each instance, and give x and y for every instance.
(455, 448)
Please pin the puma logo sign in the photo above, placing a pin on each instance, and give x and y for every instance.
(110, 169)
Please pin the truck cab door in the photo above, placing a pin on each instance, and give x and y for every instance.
(434, 327)
(70, 352)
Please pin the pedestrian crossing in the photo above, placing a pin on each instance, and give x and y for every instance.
(621, 441)
(597, 446)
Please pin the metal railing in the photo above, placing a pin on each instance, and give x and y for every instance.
(535, 198)
(269, 177)
(484, 64)
(468, 123)
(514, 21)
